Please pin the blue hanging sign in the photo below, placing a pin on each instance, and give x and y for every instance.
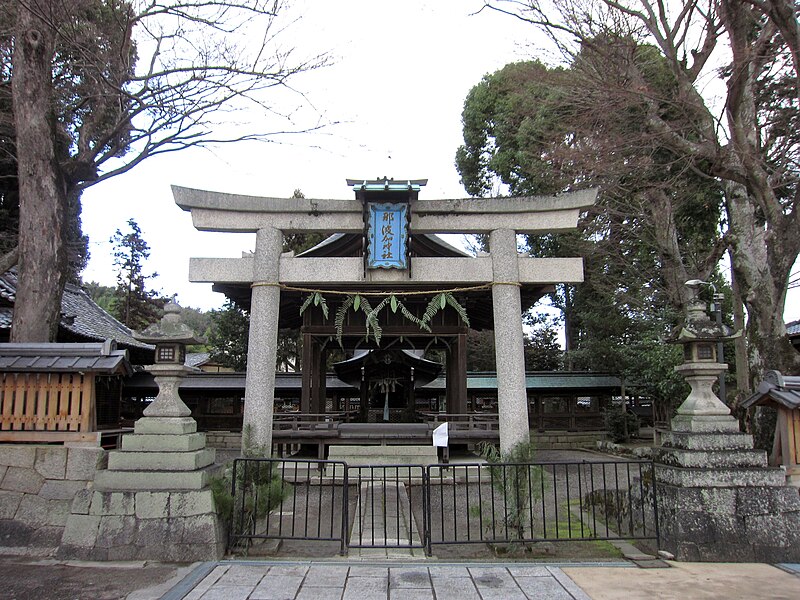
(387, 236)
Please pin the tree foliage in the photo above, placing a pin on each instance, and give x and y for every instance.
(101, 85)
(649, 64)
(229, 336)
(133, 304)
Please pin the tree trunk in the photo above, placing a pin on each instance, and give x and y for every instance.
(761, 267)
(42, 195)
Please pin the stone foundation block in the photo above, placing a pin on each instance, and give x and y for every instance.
(161, 461)
(707, 441)
(713, 459)
(61, 489)
(83, 463)
(200, 529)
(165, 425)
(142, 480)
(81, 531)
(190, 504)
(146, 442)
(152, 505)
(746, 477)
(112, 503)
(9, 501)
(18, 456)
(82, 502)
(116, 531)
(24, 480)
(51, 461)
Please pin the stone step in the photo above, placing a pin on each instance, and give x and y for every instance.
(727, 458)
(151, 442)
(111, 481)
(720, 477)
(160, 461)
(165, 425)
(707, 441)
(384, 455)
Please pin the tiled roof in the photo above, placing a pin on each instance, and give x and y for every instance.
(64, 358)
(80, 315)
(793, 328)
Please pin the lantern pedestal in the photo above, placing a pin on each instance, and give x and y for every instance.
(717, 498)
(154, 501)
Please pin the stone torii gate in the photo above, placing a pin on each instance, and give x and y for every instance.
(267, 270)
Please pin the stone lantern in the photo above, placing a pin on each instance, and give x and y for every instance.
(700, 336)
(170, 337)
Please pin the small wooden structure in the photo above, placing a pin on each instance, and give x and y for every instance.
(60, 392)
(782, 392)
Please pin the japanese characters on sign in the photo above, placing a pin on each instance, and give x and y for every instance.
(387, 236)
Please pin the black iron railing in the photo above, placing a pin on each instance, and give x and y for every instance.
(541, 501)
(414, 506)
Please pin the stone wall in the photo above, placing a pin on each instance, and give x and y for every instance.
(38, 485)
(224, 440)
(171, 526)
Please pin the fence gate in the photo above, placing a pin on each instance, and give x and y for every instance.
(414, 506)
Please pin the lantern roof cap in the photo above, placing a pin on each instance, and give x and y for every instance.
(170, 329)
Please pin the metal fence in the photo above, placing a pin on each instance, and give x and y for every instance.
(505, 503)
(414, 506)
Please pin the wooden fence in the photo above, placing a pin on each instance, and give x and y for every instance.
(39, 407)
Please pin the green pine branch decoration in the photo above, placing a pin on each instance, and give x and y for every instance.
(359, 302)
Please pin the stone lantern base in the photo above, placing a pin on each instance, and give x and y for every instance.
(153, 502)
(717, 498)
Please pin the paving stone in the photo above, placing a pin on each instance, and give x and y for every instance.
(300, 570)
(369, 571)
(529, 571)
(544, 588)
(495, 582)
(320, 593)
(455, 588)
(409, 577)
(449, 571)
(567, 583)
(276, 587)
(411, 594)
(243, 575)
(359, 588)
(229, 592)
(326, 576)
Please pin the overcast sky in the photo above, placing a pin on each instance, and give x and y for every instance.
(397, 86)
(400, 73)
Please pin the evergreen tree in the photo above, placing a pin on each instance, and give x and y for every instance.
(228, 336)
(133, 304)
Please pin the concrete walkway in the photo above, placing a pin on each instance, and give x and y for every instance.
(360, 580)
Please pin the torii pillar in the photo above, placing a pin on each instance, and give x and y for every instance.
(509, 348)
(259, 392)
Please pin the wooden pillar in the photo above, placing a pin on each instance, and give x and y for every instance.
(317, 402)
(305, 394)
